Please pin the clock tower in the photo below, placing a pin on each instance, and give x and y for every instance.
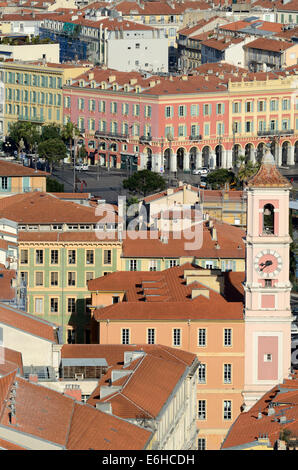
(267, 286)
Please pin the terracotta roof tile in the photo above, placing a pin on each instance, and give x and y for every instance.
(15, 169)
(268, 175)
(28, 323)
(44, 208)
(229, 244)
(93, 429)
(58, 419)
(153, 377)
(247, 427)
(265, 44)
(173, 299)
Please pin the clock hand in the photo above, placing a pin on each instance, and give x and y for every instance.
(267, 263)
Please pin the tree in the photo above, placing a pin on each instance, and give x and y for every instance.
(53, 150)
(144, 182)
(27, 131)
(82, 152)
(50, 131)
(69, 130)
(53, 186)
(218, 178)
(247, 170)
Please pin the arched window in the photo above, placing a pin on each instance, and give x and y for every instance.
(268, 219)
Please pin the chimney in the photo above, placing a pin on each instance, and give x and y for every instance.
(12, 418)
(73, 391)
(105, 407)
(271, 411)
(33, 378)
(214, 234)
(260, 416)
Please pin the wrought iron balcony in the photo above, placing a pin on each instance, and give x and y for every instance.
(145, 138)
(24, 117)
(275, 132)
(111, 136)
(195, 137)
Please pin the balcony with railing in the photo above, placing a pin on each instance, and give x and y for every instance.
(274, 132)
(25, 117)
(145, 139)
(111, 136)
(195, 137)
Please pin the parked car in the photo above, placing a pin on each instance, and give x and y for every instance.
(201, 171)
(82, 167)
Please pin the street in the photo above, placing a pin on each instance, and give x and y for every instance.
(108, 184)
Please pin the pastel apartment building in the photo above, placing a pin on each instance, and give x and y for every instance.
(33, 91)
(59, 252)
(182, 307)
(270, 54)
(17, 179)
(164, 124)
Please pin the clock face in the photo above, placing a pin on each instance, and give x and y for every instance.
(268, 263)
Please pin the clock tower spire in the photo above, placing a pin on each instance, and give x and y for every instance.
(267, 286)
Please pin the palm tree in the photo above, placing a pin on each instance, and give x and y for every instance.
(247, 170)
(68, 133)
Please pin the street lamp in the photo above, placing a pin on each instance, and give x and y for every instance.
(170, 139)
(162, 157)
(75, 140)
(35, 155)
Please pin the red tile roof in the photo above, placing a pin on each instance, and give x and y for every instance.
(144, 392)
(259, 25)
(247, 428)
(15, 169)
(172, 297)
(160, 7)
(268, 175)
(44, 208)
(278, 5)
(51, 416)
(221, 44)
(229, 243)
(28, 323)
(265, 44)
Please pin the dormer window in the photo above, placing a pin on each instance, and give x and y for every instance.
(81, 83)
(115, 87)
(103, 85)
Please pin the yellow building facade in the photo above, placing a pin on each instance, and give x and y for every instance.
(33, 91)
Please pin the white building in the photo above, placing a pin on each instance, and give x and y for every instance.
(25, 52)
(35, 338)
(137, 50)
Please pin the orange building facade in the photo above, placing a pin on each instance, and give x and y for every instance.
(188, 315)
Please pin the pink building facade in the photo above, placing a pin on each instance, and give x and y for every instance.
(267, 287)
(180, 123)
